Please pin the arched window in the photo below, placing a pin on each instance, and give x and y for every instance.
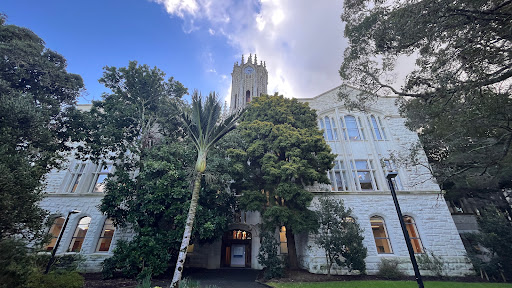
(78, 237)
(352, 128)
(247, 96)
(413, 234)
(107, 233)
(328, 129)
(380, 234)
(283, 241)
(55, 231)
(236, 100)
(378, 129)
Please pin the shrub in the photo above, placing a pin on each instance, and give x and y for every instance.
(388, 268)
(268, 256)
(62, 279)
(432, 263)
(16, 263)
(341, 238)
(66, 262)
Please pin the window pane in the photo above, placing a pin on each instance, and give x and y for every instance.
(55, 231)
(413, 234)
(378, 136)
(79, 235)
(362, 165)
(380, 234)
(282, 239)
(328, 128)
(365, 180)
(106, 236)
(99, 186)
(352, 129)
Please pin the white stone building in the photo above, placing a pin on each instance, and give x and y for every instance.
(363, 143)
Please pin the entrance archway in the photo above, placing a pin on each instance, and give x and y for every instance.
(236, 248)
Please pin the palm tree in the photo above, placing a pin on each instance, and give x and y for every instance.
(205, 127)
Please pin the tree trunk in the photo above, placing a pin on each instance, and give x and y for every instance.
(292, 253)
(187, 233)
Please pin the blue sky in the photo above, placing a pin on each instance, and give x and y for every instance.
(195, 41)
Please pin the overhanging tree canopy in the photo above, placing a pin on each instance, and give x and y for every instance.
(457, 95)
(37, 120)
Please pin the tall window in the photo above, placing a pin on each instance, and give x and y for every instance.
(100, 178)
(413, 234)
(363, 172)
(247, 96)
(282, 239)
(76, 174)
(378, 129)
(338, 177)
(328, 128)
(380, 234)
(388, 166)
(78, 237)
(55, 231)
(352, 128)
(107, 233)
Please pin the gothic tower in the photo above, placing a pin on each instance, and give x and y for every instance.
(249, 79)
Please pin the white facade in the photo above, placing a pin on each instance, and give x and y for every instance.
(378, 133)
(363, 143)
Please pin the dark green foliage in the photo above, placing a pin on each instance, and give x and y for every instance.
(340, 237)
(496, 236)
(156, 210)
(64, 262)
(281, 151)
(137, 127)
(388, 268)
(268, 257)
(16, 263)
(23, 267)
(37, 120)
(64, 279)
(458, 97)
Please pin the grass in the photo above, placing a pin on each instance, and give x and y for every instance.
(387, 284)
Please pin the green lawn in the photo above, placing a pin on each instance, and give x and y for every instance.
(387, 284)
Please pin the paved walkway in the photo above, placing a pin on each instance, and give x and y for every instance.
(226, 278)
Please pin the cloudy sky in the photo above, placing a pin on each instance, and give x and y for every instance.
(195, 41)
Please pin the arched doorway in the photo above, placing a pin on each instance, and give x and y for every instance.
(236, 248)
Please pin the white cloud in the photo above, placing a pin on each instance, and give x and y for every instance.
(300, 41)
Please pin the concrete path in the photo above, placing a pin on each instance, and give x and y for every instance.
(226, 278)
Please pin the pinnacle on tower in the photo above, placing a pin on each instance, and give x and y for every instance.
(250, 59)
(242, 59)
(255, 59)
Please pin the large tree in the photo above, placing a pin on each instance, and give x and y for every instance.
(283, 152)
(37, 121)
(137, 128)
(457, 96)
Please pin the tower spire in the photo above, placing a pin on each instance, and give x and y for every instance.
(242, 60)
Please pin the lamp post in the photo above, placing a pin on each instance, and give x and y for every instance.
(417, 274)
(52, 258)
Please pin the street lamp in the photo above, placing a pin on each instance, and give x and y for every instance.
(52, 258)
(417, 274)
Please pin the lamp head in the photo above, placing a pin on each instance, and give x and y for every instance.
(391, 175)
(74, 212)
